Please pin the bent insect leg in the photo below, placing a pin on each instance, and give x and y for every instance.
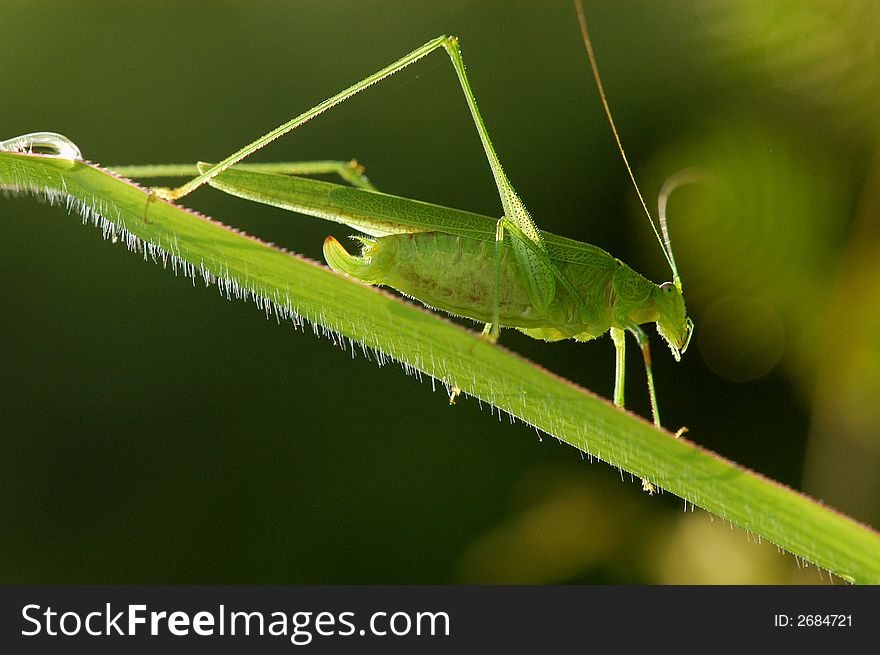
(532, 256)
(513, 206)
(644, 344)
(348, 171)
(618, 336)
(234, 158)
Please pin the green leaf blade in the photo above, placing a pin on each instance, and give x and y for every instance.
(305, 291)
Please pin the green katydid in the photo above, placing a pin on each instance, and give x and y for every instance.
(502, 272)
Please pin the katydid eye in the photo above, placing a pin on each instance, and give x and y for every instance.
(667, 287)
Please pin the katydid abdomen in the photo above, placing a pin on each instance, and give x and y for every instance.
(457, 275)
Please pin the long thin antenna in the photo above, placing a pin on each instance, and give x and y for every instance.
(588, 44)
(680, 179)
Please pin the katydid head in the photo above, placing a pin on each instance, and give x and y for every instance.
(673, 323)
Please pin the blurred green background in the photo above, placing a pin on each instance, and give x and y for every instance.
(152, 432)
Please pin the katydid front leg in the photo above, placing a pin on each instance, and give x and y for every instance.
(645, 346)
(619, 337)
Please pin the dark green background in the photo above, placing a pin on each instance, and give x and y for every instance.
(152, 432)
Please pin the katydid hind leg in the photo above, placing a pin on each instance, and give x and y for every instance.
(537, 270)
(350, 171)
(540, 279)
(317, 110)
